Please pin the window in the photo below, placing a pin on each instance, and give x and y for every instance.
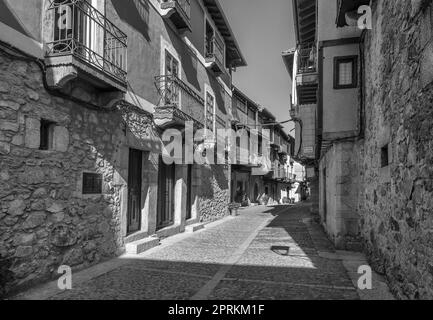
(46, 135)
(214, 45)
(251, 117)
(210, 36)
(241, 105)
(210, 111)
(345, 72)
(260, 146)
(92, 183)
(384, 156)
(171, 71)
(171, 65)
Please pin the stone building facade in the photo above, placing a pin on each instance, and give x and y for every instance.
(395, 200)
(81, 127)
(378, 179)
(260, 174)
(47, 221)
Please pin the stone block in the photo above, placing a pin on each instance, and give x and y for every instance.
(73, 257)
(141, 246)
(23, 251)
(10, 104)
(33, 132)
(56, 208)
(16, 208)
(427, 66)
(34, 220)
(5, 148)
(60, 139)
(194, 227)
(9, 126)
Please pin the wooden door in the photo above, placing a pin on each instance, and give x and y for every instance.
(189, 199)
(166, 187)
(134, 190)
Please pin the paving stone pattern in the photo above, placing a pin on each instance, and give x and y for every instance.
(281, 262)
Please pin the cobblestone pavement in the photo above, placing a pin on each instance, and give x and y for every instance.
(264, 253)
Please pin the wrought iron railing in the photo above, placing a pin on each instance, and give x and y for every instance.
(174, 92)
(307, 58)
(185, 6)
(81, 30)
(215, 49)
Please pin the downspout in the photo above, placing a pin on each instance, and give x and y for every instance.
(362, 86)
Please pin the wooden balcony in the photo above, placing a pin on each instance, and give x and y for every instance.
(178, 12)
(87, 46)
(307, 65)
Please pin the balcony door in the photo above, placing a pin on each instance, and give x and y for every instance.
(166, 188)
(210, 36)
(172, 72)
(79, 28)
(95, 30)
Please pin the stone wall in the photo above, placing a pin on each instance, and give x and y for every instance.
(339, 191)
(45, 220)
(396, 202)
(213, 193)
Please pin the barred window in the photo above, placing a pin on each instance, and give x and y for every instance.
(92, 183)
(210, 112)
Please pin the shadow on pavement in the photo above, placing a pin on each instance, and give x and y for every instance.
(281, 263)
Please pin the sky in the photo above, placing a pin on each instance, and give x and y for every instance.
(263, 29)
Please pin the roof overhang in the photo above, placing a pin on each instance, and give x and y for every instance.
(233, 51)
(243, 96)
(347, 6)
(304, 13)
(268, 115)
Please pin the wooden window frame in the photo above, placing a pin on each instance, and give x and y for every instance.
(345, 59)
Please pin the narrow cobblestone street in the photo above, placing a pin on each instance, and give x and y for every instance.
(264, 253)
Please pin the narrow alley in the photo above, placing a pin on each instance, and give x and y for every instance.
(265, 253)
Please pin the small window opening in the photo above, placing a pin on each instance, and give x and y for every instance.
(92, 183)
(384, 156)
(46, 135)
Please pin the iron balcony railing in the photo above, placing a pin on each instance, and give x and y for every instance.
(307, 61)
(215, 49)
(81, 30)
(174, 92)
(185, 6)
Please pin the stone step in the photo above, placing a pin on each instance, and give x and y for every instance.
(194, 227)
(140, 246)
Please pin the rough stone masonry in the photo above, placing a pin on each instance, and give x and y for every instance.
(396, 201)
(45, 219)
